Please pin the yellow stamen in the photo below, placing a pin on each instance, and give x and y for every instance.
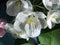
(31, 21)
(54, 17)
(18, 4)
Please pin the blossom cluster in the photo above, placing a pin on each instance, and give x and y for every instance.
(53, 16)
(28, 24)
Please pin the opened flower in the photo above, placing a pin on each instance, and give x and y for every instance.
(16, 6)
(51, 4)
(28, 24)
(53, 18)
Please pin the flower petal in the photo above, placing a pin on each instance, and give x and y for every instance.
(49, 23)
(31, 29)
(21, 17)
(37, 29)
(43, 23)
(40, 15)
(24, 36)
(12, 10)
(27, 5)
(47, 4)
(54, 15)
(27, 29)
(51, 4)
(2, 32)
(15, 6)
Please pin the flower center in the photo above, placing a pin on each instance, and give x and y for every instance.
(31, 20)
(54, 17)
(18, 3)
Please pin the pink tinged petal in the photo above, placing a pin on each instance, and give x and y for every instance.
(2, 26)
(2, 32)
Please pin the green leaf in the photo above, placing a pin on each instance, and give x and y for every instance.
(50, 38)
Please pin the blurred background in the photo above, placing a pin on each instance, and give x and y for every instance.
(47, 37)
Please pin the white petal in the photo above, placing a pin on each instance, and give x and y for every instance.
(47, 4)
(24, 36)
(22, 33)
(9, 3)
(51, 4)
(9, 28)
(27, 29)
(49, 23)
(12, 10)
(17, 26)
(36, 29)
(21, 17)
(54, 20)
(33, 30)
(55, 16)
(43, 23)
(27, 4)
(58, 20)
(40, 15)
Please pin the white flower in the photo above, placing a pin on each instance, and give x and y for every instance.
(28, 24)
(16, 6)
(51, 4)
(9, 28)
(53, 18)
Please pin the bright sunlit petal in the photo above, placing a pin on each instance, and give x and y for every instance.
(49, 23)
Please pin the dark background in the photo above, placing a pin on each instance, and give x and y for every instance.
(3, 13)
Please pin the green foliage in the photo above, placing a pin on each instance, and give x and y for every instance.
(50, 38)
